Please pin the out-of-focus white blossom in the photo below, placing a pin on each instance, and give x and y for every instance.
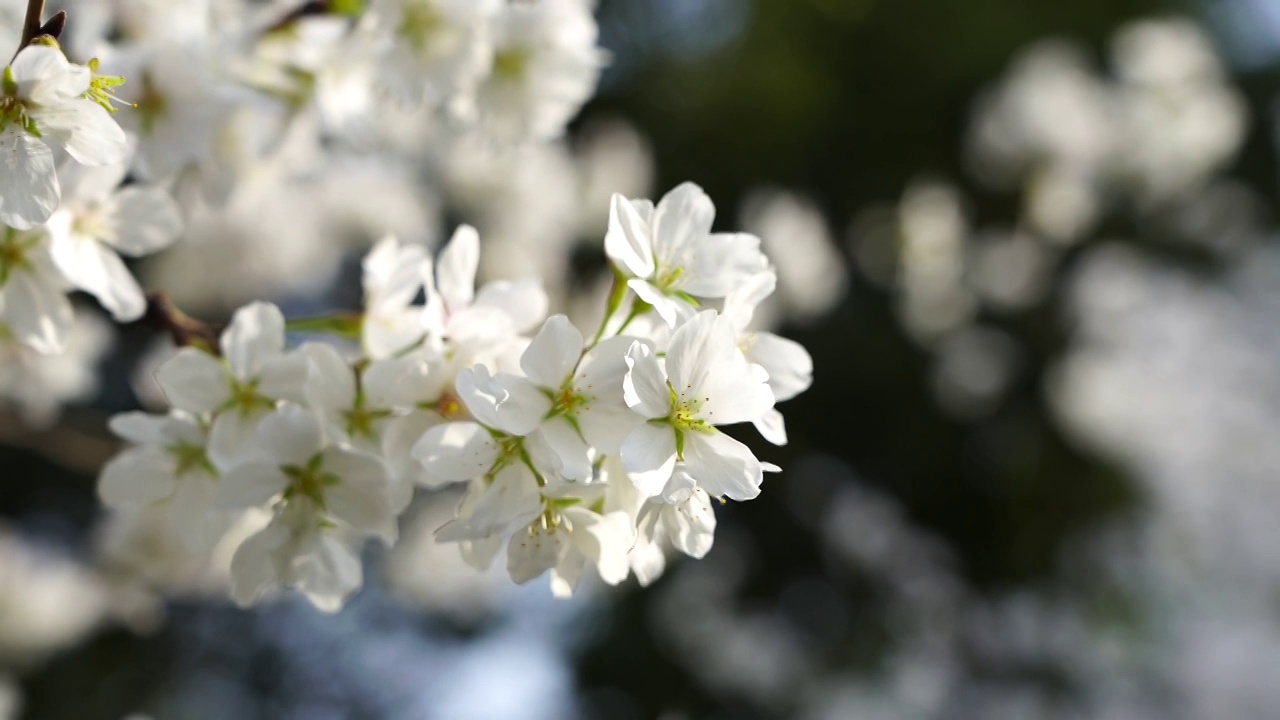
(47, 602)
(40, 384)
(45, 102)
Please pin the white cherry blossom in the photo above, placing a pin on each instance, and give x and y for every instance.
(97, 220)
(242, 386)
(545, 65)
(705, 382)
(327, 499)
(788, 364)
(169, 467)
(434, 50)
(392, 279)
(671, 255)
(33, 304)
(43, 104)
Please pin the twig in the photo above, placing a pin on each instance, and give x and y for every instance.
(184, 329)
(31, 25)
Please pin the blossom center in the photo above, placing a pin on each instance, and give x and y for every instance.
(246, 400)
(511, 64)
(418, 21)
(13, 253)
(152, 105)
(449, 406)
(190, 459)
(360, 421)
(310, 480)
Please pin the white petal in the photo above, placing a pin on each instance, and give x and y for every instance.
(284, 377)
(456, 268)
(291, 434)
(691, 525)
(29, 191)
(682, 219)
(233, 438)
(331, 382)
(722, 466)
(772, 427)
(250, 485)
(148, 221)
(140, 427)
(572, 456)
(256, 334)
(84, 185)
(198, 522)
(455, 451)
(605, 539)
(671, 310)
(136, 477)
(644, 388)
(401, 382)
(85, 129)
(392, 275)
(512, 500)
(701, 348)
(529, 554)
(193, 380)
(95, 268)
(741, 301)
(360, 498)
(43, 73)
(328, 573)
(387, 332)
(789, 365)
(37, 311)
(628, 242)
(722, 262)
(736, 394)
(553, 353)
(649, 456)
(523, 301)
(254, 568)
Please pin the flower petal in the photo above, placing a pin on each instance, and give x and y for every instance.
(722, 466)
(644, 388)
(29, 191)
(249, 485)
(136, 477)
(649, 456)
(148, 221)
(193, 380)
(256, 334)
(454, 452)
(553, 353)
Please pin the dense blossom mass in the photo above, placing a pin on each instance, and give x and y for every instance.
(577, 448)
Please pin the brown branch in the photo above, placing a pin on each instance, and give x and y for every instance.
(185, 330)
(31, 24)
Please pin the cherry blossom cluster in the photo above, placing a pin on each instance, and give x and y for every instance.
(66, 227)
(578, 452)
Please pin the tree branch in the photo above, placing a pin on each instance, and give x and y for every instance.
(31, 25)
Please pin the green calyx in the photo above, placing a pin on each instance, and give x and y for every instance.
(246, 400)
(12, 110)
(189, 459)
(418, 21)
(361, 420)
(511, 64)
(309, 481)
(14, 250)
(152, 106)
